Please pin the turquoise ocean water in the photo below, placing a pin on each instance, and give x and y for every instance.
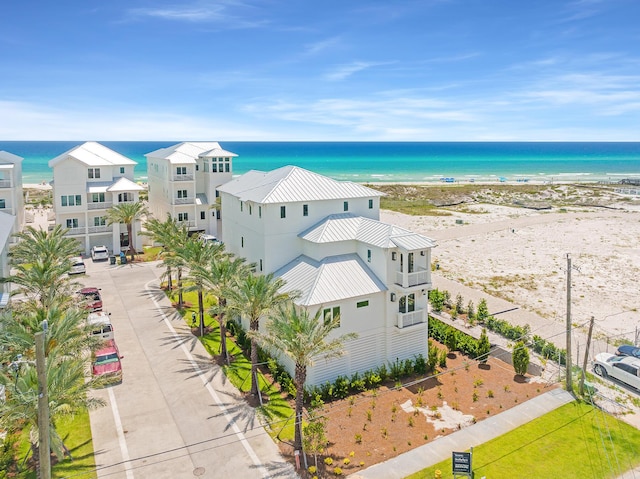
(386, 161)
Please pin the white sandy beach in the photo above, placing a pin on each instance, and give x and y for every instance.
(520, 255)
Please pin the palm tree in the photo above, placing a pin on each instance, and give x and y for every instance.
(256, 296)
(52, 246)
(303, 338)
(194, 254)
(219, 277)
(67, 393)
(127, 213)
(170, 234)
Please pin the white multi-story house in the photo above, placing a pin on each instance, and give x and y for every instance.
(182, 183)
(11, 196)
(87, 181)
(324, 238)
(7, 225)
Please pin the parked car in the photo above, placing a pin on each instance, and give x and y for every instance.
(106, 362)
(101, 325)
(623, 368)
(209, 239)
(77, 266)
(92, 298)
(628, 350)
(99, 253)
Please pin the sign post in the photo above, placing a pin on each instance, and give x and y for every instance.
(461, 463)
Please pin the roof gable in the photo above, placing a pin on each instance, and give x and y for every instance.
(6, 157)
(293, 184)
(189, 151)
(92, 153)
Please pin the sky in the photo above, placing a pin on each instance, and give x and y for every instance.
(348, 70)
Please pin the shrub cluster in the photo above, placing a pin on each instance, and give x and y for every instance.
(549, 350)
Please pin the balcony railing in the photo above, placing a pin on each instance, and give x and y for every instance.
(188, 224)
(188, 177)
(410, 319)
(100, 229)
(418, 277)
(5, 184)
(102, 205)
(183, 201)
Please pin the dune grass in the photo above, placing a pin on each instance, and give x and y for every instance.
(276, 411)
(574, 441)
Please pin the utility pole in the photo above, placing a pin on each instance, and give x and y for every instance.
(43, 409)
(568, 355)
(586, 355)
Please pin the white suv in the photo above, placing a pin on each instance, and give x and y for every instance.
(622, 368)
(99, 253)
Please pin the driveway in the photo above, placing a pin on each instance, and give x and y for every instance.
(174, 415)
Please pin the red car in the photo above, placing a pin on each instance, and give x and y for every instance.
(92, 298)
(106, 362)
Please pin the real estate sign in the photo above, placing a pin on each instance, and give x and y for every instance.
(461, 462)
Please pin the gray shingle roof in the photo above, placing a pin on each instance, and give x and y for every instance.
(292, 184)
(333, 279)
(347, 226)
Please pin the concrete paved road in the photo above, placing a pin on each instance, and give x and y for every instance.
(174, 415)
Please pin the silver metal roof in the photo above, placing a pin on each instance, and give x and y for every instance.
(6, 157)
(293, 184)
(92, 153)
(349, 227)
(333, 279)
(187, 152)
(121, 184)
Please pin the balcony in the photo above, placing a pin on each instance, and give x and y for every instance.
(415, 278)
(412, 318)
(184, 201)
(5, 184)
(182, 177)
(103, 205)
(81, 230)
(100, 229)
(188, 224)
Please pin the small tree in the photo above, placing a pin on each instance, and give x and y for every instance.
(459, 304)
(483, 347)
(452, 340)
(471, 312)
(314, 438)
(432, 356)
(437, 300)
(520, 358)
(446, 296)
(483, 311)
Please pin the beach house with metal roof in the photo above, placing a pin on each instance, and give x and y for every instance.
(324, 238)
(182, 182)
(88, 180)
(11, 196)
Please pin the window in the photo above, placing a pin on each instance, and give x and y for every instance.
(206, 166)
(370, 204)
(214, 167)
(3, 204)
(260, 265)
(183, 216)
(368, 256)
(241, 206)
(362, 304)
(226, 168)
(181, 170)
(97, 197)
(182, 193)
(122, 170)
(283, 212)
(242, 241)
(99, 221)
(125, 197)
(407, 303)
(346, 206)
(250, 209)
(71, 200)
(197, 167)
(72, 223)
(305, 210)
(330, 314)
(217, 194)
(259, 211)
(94, 172)
(203, 215)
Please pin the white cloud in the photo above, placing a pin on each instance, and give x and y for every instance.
(343, 72)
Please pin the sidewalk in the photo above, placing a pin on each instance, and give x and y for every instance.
(441, 449)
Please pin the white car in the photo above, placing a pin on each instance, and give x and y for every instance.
(623, 368)
(99, 253)
(209, 239)
(77, 266)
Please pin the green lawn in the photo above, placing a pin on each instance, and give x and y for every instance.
(76, 433)
(574, 441)
(276, 410)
